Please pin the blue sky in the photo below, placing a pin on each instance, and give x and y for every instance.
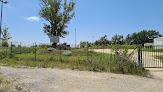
(93, 18)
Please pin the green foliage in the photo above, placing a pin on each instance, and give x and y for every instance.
(125, 64)
(144, 36)
(4, 43)
(5, 37)
(102, 41)
(160, 58)
(120, 62)
(58, 15)
(117, 39)
(152, 50)
(44, 46)
(83, 44)
(18, 88)
(110, 47)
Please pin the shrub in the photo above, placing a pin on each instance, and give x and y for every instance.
(44, 46)
(124, 62)
(85, 49)
(67, 53)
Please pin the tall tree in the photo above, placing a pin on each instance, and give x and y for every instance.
(6, 36)
(128, 39)
(144, 36)
(103, 40)
(58, 14)
(117, 39)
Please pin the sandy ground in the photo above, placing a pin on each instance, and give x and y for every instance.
(66, 80)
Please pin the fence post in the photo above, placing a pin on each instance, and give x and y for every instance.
(60, 52)
(139, 55)
(35, 51)
(20, 47)
(11, 51)
(33, 48)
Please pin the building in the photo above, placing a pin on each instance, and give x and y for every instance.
(158, 43)
(149, 45)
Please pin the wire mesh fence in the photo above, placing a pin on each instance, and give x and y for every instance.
(12, 49)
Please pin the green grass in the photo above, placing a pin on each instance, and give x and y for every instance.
(18, 88)
(110, 47)
(80, 59)
(152, 50)
(160, 58)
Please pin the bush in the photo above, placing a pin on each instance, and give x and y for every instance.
(4, 44)
(124, 63)
(67, 53)
(44, 46)
(110, 46)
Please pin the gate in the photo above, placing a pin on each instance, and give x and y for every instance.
(151, 56)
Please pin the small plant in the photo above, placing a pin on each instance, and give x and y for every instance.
(67, 53)
(18, 88)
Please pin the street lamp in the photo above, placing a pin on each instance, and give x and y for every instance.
(1, 16)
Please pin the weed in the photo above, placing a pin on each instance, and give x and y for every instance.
(18, 88)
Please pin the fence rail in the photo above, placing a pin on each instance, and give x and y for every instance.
(152, 56)
(19, 49)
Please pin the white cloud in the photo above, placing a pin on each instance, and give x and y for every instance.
(33, 18)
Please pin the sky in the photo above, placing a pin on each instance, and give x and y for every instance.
(93, 19)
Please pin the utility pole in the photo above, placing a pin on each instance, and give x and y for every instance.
(1, 16)
(75, 38)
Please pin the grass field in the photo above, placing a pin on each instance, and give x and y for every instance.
(81, 59)
(152, 50)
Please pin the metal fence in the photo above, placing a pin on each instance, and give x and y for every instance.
(151, 56)
(13, 48)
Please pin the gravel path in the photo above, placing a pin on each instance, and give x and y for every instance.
(66, 80)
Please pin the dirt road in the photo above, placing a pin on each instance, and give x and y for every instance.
(66, 80)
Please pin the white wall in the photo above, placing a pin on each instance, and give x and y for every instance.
(158, 43)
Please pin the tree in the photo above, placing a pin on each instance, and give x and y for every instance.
(128, 39)
(6, 36)
(85, 44)
(58, 15)
(103, 40)
(144, 36)
(117, 39)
